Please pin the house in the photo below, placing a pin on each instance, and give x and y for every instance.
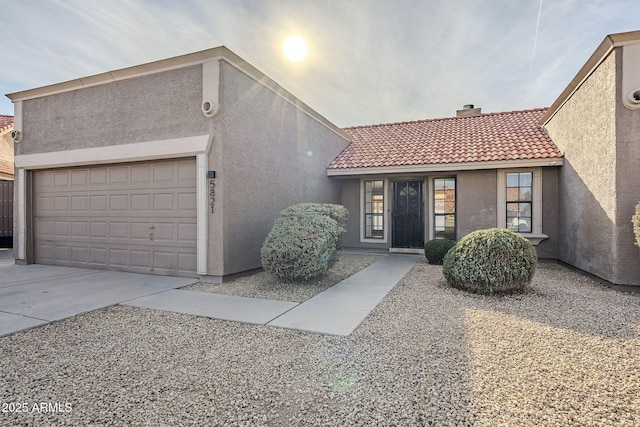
(406, 183)
(6, 148)
(176, 167)
(181, 166)
(6, 181)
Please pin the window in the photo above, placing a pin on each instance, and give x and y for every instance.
(444, 208)
(519, 202)
(374, 209)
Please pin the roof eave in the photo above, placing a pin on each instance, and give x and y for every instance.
(610, 42)
(446, 167)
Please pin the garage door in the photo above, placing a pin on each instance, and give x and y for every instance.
(137, 217)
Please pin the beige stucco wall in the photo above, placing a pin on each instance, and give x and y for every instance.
(270, 155)
(153, 107)
(476, 198)
(584, 129)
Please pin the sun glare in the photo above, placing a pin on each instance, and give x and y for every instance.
(295, 49)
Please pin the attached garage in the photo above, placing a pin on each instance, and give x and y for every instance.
(137, 217)
(175, 167)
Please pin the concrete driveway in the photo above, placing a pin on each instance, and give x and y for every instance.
(34, 295)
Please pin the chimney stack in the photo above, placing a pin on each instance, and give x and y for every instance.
(468, 111)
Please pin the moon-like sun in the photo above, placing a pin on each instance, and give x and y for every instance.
(295, 49)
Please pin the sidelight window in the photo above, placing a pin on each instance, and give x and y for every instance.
(444, 208)
(374, 209)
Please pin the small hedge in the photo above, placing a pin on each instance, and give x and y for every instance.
(491, 261)
(303, 241)
(436, 249)
(635, 219)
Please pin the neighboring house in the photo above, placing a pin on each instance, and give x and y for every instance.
(182, 165)
(6, 181)
(6, 148)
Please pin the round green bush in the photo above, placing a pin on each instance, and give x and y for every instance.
(491, 261)
(302, 243)
(436, 249)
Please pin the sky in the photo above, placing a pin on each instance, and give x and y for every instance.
(368, 61)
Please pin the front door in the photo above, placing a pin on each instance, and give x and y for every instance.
(408, 215)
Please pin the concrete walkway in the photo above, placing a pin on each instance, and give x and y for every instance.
(34, 295)
(337, 311)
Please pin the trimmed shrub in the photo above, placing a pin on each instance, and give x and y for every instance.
(302, 242)
(436, 249)
(339, 213)
(635, 219)
(491, 261)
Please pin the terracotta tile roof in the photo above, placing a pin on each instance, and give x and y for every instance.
(514, 135)
(6, 122)
(6, 167)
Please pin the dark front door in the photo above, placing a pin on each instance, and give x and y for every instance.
(408, 218)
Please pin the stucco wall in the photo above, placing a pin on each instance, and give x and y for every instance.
(153, 107)
(627, 185)
(476, 198)
(584, 129)
(548, 248)
(271, 155)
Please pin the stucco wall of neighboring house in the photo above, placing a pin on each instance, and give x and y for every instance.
(270, 155)
(584, 129)
(627, 186)
(153, 107)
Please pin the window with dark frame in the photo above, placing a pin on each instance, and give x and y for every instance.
(519, 201)
(444, 208)
(374, 209)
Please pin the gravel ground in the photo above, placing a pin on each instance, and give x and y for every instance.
(265, 285)
(565, 353)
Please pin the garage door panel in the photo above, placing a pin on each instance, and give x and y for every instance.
(61, 178)
(61, 203)
(79, 254)
(187, 232)
(164, 202)
(138, 217)
(62, 229)
(187, 262)
(79, 178)
(79, 204)
(79, 229)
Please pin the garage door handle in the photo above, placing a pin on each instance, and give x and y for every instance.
(151, 232)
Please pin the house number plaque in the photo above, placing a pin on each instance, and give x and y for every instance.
(212, 194)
